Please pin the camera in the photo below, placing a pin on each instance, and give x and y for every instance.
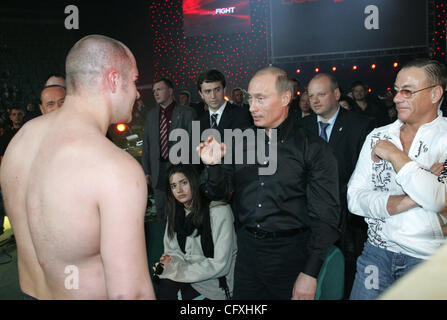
(159, 269)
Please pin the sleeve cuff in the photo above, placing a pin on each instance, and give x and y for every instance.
(405, 172)
(313, 266)
(214, 172)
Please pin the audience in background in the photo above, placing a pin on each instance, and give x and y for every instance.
(55, 79)
(221, 114)
(160, 121)
(390, 106)
(368, 105)
(52, 97)
(31, 112)
(237, 98)
(184, 98)
(294, 106)
(347, 103)
(305, 104)
(16, 117)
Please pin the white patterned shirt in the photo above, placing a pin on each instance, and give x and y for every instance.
(415, 232)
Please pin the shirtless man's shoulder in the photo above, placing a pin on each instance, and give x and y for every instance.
(82, 194)
(75, 200)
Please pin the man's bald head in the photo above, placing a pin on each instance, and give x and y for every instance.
(55, 80)
(52, 98)
(91, 58)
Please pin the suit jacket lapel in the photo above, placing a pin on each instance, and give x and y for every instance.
(314, 125)
(175, 119)
(205, 121)
(156, 124)
(155, 135)
(338, 130)
(225, 119)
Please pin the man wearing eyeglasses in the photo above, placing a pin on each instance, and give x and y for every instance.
(392, 186)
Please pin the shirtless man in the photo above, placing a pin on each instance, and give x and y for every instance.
(76, 201)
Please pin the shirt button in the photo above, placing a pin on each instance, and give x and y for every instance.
(259, 205)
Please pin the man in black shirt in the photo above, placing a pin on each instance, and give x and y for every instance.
(287, 219)
(368, 106)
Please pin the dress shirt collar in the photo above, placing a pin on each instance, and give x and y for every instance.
(219, 112)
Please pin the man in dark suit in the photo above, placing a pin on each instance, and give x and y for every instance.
(345, 131)
(237, 98)
(221, 114)
(369, 106)
(294, 106)
(160, 121)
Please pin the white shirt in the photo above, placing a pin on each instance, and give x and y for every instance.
(218, 112)
(331, 122)
(415, 232)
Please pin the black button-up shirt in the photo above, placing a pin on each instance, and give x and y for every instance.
(303, 192)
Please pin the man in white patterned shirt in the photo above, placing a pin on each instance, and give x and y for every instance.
(392, 186)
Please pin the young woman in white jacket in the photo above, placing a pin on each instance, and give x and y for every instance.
(199, 242)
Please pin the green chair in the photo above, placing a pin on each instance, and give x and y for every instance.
(330, 282)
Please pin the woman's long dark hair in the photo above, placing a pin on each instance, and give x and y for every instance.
(354, 106)
(198, 202)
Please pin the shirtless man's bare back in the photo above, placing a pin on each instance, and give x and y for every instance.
(75, 200)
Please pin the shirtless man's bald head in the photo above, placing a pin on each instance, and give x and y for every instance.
(101, 66)
(91, 58)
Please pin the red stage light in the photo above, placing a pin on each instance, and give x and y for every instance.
(354, 67)
(317, 70)
(395, 64)
(334, 69)
(298, 70)
(373, 66)
(121, 127)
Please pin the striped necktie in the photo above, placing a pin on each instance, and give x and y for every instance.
(163, 134)
(214, 121)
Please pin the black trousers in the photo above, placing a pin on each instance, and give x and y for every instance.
(353, 241)
(266, 269)
(168, 290)
(160, 189)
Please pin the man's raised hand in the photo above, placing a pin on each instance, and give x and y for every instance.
(211, 152)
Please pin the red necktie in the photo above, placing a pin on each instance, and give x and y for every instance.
(163, 134)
